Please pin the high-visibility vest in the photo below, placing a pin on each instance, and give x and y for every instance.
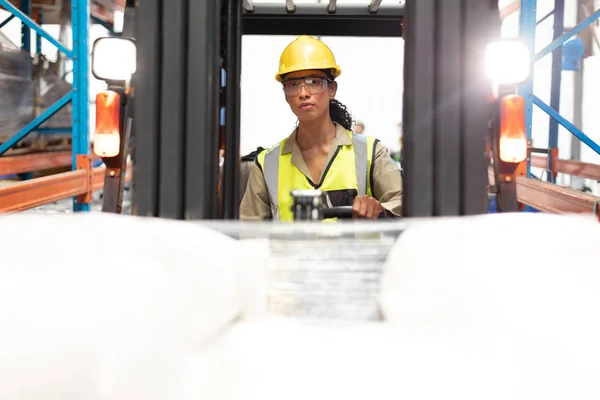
(349, 168)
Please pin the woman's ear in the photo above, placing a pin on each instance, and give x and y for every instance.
(332, 90)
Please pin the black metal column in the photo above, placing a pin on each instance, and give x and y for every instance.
(202, 110)
(448, 67)
(419, 107)
(446, 105)
(146, 83)
(176, 109)
(481, 25)
(233, 67)
(172, 109)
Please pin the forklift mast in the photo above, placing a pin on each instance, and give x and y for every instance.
(183, 44)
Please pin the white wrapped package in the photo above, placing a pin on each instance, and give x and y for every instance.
(522, 290)
(108, 307)
(298, 359)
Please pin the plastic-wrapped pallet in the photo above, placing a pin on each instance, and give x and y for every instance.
(85, 316)
(324, 271)
(326, 278)
(521, 290)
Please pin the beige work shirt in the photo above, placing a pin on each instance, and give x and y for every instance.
(387, 181)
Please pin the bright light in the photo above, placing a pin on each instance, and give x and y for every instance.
(114, 58)
(106, 144)
(508, 62)
(107, 137)
(513, 136)
(513, 150)
(118, 21)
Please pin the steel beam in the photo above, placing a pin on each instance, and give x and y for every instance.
(569, 167)
(481, 25)
(147, 103)
(446, 106)
(555, 85)
(317, 20)
(568, 35)
(173, 109)
(202, 110)
(419, 108)
(34, 162)
(38, 29)
(39, 191)
(80, 118)
(448, 67)
(567, 124)
(551, 198)
(233, 65)
(40, 119)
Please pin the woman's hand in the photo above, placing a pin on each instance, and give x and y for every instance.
(366, 207)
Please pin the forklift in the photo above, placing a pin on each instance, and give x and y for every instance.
(458, 120)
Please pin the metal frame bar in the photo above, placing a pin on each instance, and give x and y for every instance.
(30, 127)
(317, 20)
(7, 20)
(230, 187)
(568, 35)
(568, 125)
(481, 24)
(80, 22)
(25, 7)
(447, 153)
(34, 162)
(569, 167)
(146, 107)
(202, 110)
(172, 109)
(556, 79)
(419, 109)
(38, 29)
(36, 192)
(550, 198)
(528, 24)
(80, 16)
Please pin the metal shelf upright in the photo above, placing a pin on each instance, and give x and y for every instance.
(528, 23)
(79, 94)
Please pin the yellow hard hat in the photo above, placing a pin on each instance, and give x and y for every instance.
(306, 52)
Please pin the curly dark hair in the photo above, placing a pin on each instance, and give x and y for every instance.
(339, 113)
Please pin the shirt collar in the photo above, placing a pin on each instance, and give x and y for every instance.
(342, 138)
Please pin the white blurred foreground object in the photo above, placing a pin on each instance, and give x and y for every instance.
(522, 290)
(469, 315)
(86, 317)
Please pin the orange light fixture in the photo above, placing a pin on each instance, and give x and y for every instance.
(513, 137)
(107, 136)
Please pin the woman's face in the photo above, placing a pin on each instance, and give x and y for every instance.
(308, 94)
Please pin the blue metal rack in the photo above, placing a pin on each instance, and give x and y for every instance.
(528, 23)
(79, 94)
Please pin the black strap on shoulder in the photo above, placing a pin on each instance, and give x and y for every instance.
(252, 156)
(374, 150)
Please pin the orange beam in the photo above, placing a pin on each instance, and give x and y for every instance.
(34, 162)
(510, 9)
(570, 167)
(551, 198)
(36, 192)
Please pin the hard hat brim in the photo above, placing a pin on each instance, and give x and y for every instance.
(335, 71)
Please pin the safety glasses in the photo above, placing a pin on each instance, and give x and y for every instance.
(313, 85)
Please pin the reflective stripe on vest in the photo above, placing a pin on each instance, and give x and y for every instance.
(282, 177)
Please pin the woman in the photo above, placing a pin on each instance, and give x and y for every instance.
(322, 152)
